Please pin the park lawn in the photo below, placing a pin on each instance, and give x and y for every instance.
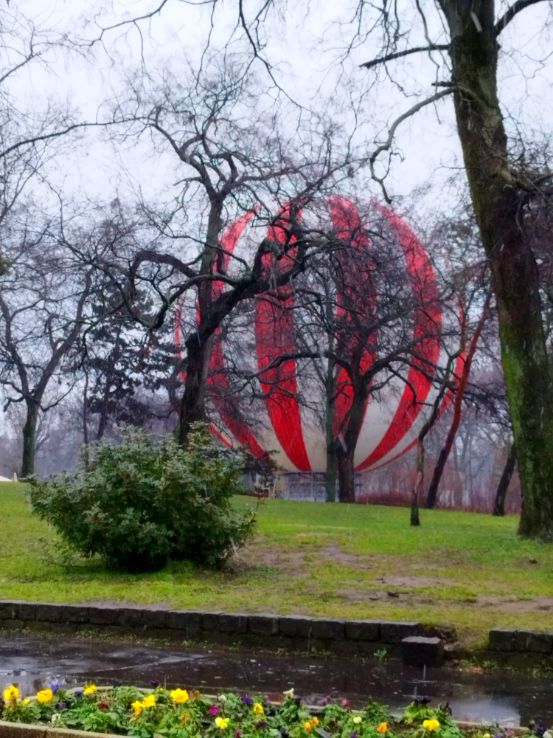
(349, 561)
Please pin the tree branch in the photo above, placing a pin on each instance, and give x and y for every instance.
(406, 52)
(395, 125)
(513, 11)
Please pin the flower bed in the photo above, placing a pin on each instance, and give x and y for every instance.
(179, 713)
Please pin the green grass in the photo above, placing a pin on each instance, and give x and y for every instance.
(465, 569)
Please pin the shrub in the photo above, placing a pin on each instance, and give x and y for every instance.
(145, 501)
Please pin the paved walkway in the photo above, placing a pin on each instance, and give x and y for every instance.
(35, 660)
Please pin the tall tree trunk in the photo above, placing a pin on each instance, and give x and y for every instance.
(414, 518)
(192, 404)
(86, 448)
(331, 469)
(434, 486)
(330, 392)
(198, 351)
(29, 440)
(503, 486)
(346, 475)
(496, 198)
(347, 444)
(104, 411)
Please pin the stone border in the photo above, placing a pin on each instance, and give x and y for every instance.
(265, 630)
(294, 632)
(507, 641)
(22, 730)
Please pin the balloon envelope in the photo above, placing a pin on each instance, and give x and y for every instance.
(286, 419)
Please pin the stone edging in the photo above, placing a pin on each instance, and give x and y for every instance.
(220, 627)
(21, 730)
(290, 631)
(505, 640)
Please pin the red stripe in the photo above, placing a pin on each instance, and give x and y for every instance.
(446, 402)
(426, 334)
(227, 404)
(220, 391)
(275, 336)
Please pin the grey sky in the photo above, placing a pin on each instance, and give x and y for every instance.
(306, 43)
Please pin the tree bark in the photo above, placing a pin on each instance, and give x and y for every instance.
(414, 518)
(192, 404)
(330, 476)
(497, 200)
(346, 475)
(86, 448)
(503, 486)
(29, 440)
(347, 444)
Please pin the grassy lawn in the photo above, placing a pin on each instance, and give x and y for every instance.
(348, 561)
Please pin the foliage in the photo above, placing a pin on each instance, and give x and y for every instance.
(179, 713)
(145, 501)
(431, 719)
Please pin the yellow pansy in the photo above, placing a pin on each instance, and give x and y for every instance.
(45, 695)
(222, 723)
(149, 700)
(310, 724)
(357, 720)
(89, 690)
(180, 696)
(258, 708)
(431, 724)
(137, 707)
(11, 693)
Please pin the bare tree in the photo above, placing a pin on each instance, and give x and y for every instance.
(463, 40)
(43, 297)
(381, 325)
(236, 166)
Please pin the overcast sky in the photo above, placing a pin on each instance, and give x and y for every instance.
(306, 44)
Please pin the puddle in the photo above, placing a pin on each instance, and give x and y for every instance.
(505, 697)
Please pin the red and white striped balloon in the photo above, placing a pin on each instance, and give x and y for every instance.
(291, 430)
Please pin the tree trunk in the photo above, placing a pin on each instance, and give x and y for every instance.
(346, 475)
(348, 443)
(503, 486)
(86, 448)
(434, 486)
(198, 351)
(417, 487)
(192, 404)
(29, 440)
(497, 200)
(330, 476)
(103, 419)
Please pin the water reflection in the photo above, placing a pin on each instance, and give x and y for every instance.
(506, 697)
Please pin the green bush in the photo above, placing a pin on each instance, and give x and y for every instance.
(146, 501)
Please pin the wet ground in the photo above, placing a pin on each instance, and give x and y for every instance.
(33, 661)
